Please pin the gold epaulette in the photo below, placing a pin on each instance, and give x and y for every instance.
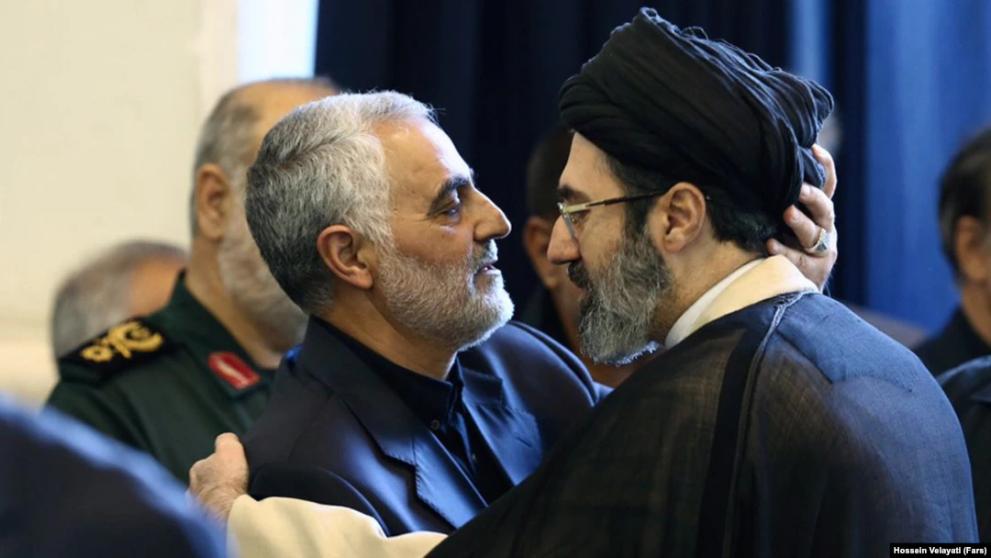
(121, 346)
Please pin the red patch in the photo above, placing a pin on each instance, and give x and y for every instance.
(231, 369)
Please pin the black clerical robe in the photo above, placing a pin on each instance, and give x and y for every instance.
(789, 427)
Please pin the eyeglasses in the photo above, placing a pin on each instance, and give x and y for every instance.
(571, 209)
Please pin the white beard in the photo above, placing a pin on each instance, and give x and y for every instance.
(449, 304)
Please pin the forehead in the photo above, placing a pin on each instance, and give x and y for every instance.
(587, 177)
(419, 157)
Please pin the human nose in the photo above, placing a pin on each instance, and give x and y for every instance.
(563, 248)
(493, 223)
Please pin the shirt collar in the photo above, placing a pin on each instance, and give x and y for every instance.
(682, 327)
(751, 283)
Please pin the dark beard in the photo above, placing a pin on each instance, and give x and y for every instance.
(617, 311)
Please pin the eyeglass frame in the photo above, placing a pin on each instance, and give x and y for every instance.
(567, 210)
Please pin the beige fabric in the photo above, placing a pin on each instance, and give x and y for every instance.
(283, 527)
(772, 277)
(685, 325)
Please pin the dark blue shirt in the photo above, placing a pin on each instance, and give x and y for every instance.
(439, 406)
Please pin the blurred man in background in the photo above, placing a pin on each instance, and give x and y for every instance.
(130, 279)
(965, 227)
(67, 491)
(168, 384)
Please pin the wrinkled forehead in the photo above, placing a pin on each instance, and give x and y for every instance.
(419, 158)
(587, 176)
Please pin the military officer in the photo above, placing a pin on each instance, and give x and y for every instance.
(169, 383)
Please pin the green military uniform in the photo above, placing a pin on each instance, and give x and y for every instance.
(167, 384)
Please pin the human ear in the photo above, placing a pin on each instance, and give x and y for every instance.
(213, 197)
(340, 249)
(677, 218)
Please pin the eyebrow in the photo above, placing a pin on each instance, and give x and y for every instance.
(568, 194)
(452, 184)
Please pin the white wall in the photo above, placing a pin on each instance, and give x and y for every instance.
(99, 103)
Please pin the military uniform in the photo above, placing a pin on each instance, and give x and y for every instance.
(167, 384)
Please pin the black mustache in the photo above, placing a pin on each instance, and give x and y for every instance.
(579, 275)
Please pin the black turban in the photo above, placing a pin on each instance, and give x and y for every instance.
(692, 109)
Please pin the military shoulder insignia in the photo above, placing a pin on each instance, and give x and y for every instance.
(233, 371)
(119, 347)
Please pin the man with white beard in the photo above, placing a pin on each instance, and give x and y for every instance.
(410, 398)
(169, 383)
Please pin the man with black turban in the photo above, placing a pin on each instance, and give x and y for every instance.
(776, 423)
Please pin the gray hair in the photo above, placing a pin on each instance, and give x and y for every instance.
(227, 138)
(97, 295)
(319, 166)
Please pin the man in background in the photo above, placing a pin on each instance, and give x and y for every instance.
(169, 383)
(965, 228)
(133, 278)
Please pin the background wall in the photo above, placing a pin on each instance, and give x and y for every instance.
(101, 104)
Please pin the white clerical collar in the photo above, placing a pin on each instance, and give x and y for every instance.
(684, 325)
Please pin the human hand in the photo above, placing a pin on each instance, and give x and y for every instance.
(216, 481)
(818, 233)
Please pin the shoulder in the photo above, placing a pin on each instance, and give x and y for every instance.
(299, 407)
(825, 374)
(842, 346)
(967, 383)
(527, 340)
(534, 367)
(518, 346)
(126, 346)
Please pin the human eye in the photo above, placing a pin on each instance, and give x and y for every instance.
(453, 208)
(453, 211)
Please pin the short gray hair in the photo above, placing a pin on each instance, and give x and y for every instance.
(98, 295)
(227, 137)
(322, 165)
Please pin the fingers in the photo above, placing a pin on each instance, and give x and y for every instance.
(826, 160)
(797, 257)
(806, 230)
(228, 445)
(819, 205)
(217, 480)
(816, 267)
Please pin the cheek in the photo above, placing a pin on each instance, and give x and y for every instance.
(598, 249)
(438, 244)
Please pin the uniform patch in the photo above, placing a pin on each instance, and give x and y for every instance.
(128, 343)
(232, 370)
